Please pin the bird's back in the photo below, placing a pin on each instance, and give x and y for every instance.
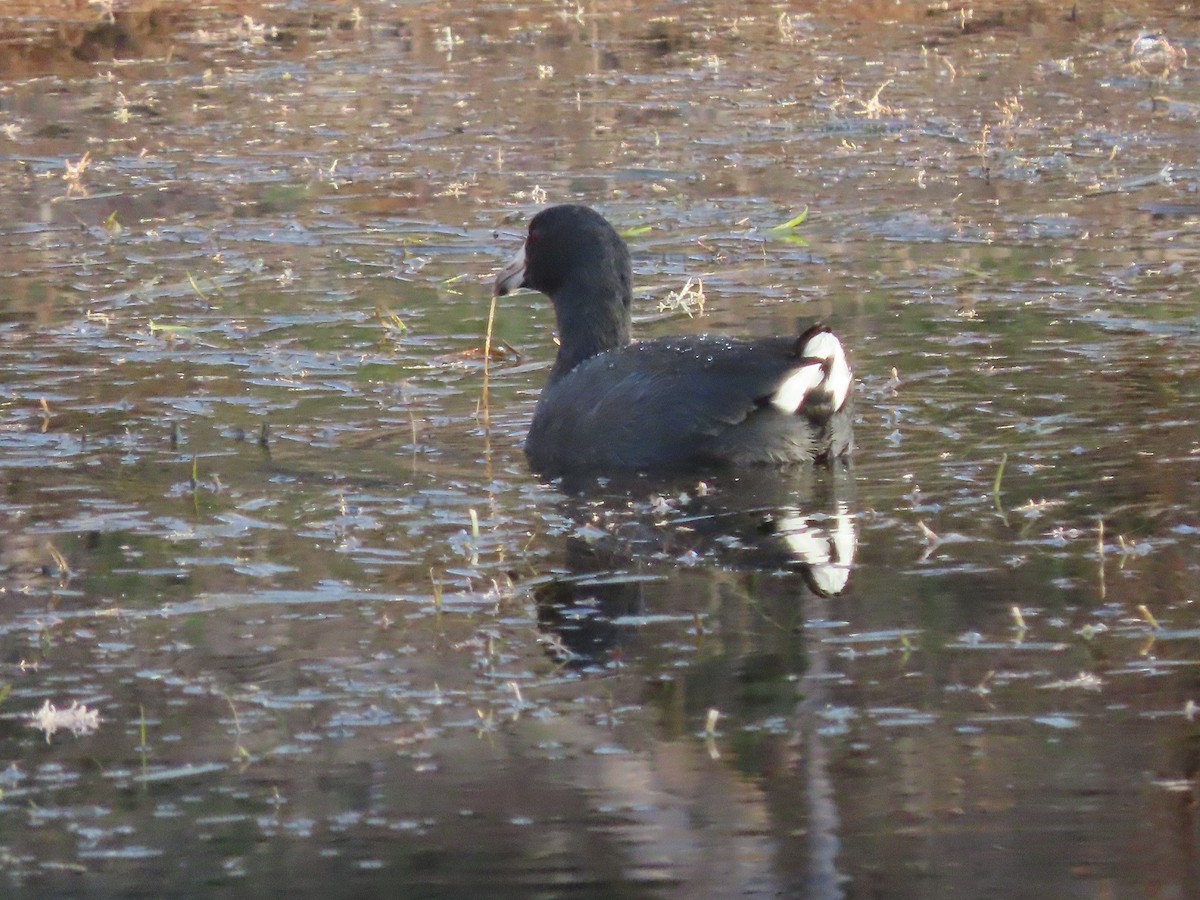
(680, 402)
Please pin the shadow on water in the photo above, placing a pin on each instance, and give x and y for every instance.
(625, 561)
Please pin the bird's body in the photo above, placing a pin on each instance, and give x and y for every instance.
(614, 404)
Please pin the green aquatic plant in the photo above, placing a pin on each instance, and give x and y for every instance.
(60, 562)
(791, 224)
(999, 476)
(787, 231)
(393, 326)
(437, 591)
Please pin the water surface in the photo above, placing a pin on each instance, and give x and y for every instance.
(261, 515)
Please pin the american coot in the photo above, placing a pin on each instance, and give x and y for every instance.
(615, 405)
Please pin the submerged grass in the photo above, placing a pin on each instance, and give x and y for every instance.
(393, 326)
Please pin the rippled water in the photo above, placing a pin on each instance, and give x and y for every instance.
(261, 515)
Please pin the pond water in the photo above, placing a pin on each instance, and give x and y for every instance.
(261, 516)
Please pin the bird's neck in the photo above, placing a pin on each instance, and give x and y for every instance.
(588, 325)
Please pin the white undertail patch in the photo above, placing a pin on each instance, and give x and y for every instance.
(826, 372)
(798, 385)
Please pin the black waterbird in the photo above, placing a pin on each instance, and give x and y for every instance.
(612, 404)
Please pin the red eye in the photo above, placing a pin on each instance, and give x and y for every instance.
(535, 235)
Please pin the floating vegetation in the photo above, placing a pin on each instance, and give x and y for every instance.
(73, 175)
(76, 718)
(1154, 55)
(169, 330)
(688, 299)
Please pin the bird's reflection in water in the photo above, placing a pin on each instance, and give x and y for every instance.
(822, 548)
(632, 538)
